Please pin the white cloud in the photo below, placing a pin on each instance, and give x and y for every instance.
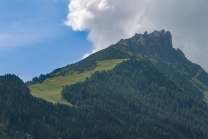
(107, 21)
(85, 55)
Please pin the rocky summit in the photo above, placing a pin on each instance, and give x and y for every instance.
(157, 47)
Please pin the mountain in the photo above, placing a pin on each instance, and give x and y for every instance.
(140, 87)
(156, 47)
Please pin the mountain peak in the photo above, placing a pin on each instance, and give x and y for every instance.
(155, 44)
(157, 47)
(157, 39)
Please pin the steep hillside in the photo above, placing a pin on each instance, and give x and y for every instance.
(49, 86)
(142, 101)
(87, 64)
(50, 89)
(25, 117)
(156, 47)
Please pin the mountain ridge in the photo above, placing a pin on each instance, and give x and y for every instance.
(156, 47)
(160, 43)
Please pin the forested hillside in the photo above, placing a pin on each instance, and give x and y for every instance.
(137, 99)
(25, 117)
(134, 100)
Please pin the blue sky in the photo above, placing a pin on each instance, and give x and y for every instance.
(38, 36)
(34, 39)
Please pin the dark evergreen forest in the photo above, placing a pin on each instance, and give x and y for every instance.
(134, 100)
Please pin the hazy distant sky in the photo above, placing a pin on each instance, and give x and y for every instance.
(38, 36)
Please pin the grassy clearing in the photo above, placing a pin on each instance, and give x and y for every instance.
(50, 89)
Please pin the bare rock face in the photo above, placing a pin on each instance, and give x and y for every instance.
(157, 47)
(162, 39)
(155, 44)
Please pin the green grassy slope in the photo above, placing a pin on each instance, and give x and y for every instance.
(50, 89)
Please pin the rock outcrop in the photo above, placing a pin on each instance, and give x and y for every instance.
(157, 47)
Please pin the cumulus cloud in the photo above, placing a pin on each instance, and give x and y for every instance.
(107, 21)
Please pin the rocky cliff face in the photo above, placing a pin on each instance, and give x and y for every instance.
(157, 47)
(156, 43)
